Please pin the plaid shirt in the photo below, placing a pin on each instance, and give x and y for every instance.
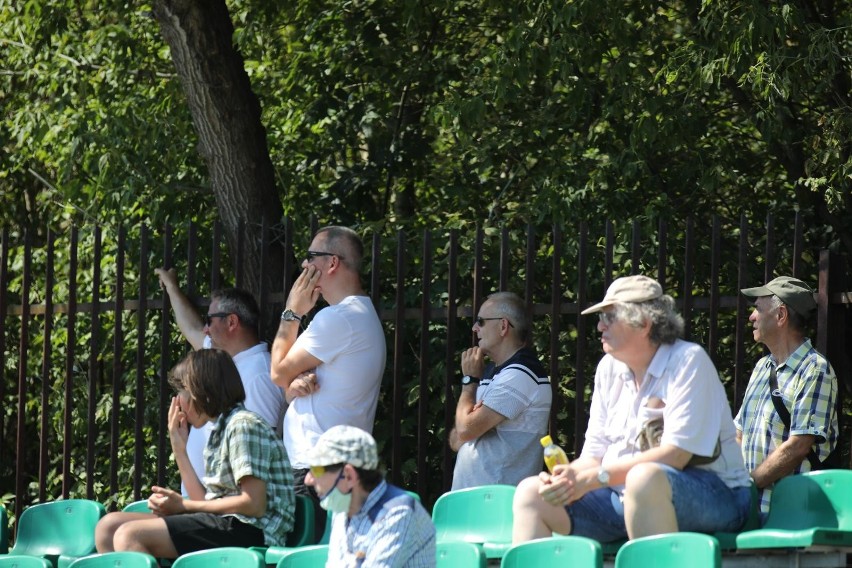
(401, 535)
(809, 389)
(241, 444)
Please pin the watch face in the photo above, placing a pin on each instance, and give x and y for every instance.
(603, 477)
(465, 380)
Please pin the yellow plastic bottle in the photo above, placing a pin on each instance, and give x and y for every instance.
(553, 454)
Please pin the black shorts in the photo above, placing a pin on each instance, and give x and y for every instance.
(199, 531)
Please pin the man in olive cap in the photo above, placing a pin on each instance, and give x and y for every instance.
(374, 523)
(796, 430)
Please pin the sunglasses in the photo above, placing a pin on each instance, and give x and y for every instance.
(480, 321)
(208, 318)
(312, 254)
(319, 470)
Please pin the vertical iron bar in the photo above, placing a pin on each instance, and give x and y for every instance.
(688, 277)
(608, 254)
(70, 357)
(94, 351)
(398, 367)
(555, 327)
(504, 259)
(141, 365)
(423, 422)
(580, 419)
(47, 354)
(117, 368)
(740, 373)
(715, 271)
(165, 362)
(662, 252)
(4, 287)
(450, 357)
(635, 248)
(22, 471)
(529, 269)
(216, 257)
(771, 261)
(798, 246)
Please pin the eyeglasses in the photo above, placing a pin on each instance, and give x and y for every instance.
(312, 254)
(608, 318)
(208, 318)
(480, 321)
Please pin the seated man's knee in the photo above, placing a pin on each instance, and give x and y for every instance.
(526, 493)
(647, 482)
(105, 531)
(126, 537)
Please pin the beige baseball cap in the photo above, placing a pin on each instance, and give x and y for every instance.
(628, 289)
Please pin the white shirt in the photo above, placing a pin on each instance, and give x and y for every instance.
(349, 340)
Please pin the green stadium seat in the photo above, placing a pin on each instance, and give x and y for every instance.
(116, 560)
(24, 562)
(481, 515)
(137, 507)
(459, 554)
(306, 557)
(810, 509)
(60, 531)
(576, 551)
(225, 557)
(674, 550)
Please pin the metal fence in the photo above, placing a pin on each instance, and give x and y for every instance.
(85, 341)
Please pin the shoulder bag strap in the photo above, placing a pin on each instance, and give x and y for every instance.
(784, 414)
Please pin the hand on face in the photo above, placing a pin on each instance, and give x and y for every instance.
(178, 426)
(473, 362)
(304, 293)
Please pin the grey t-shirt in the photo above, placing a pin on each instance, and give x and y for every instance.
(520, 390)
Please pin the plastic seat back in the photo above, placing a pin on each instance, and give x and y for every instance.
(137, 507)
(303, 525)
(305, 557)
(116, 560)
(226, 557)
(814, 499)
(478, 514)
(576, 551)
(674, 550)
(58, 528)
(24, 562)
(459, 554)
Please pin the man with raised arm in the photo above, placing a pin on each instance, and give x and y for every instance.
(230, 324)
(503, 408)
(775, 446)
(332, 372)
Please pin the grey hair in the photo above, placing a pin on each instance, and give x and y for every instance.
(345, 243)
(797, 320)
(240, 302)
(510, 306)
(666, 323)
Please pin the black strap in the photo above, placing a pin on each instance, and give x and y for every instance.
(784, 414)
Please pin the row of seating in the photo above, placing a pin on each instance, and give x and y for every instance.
(807, 510)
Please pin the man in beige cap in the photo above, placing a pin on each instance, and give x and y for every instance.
(374, 523)
(795, 431)
(690, 478)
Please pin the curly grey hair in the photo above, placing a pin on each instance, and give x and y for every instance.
(666, 323)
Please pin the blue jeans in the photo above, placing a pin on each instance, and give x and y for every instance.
(702, 502)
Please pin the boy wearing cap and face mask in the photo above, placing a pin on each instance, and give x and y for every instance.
(374, 523)
(805, 380)
(617, 489)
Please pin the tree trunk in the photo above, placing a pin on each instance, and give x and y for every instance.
(231, 137)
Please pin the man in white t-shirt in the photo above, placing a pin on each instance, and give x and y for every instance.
(230, 325)
(332, 372)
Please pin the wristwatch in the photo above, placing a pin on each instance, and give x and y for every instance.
(290, 315)
(467, 379)
(603, 476)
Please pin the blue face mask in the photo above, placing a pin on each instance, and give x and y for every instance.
(334, 501)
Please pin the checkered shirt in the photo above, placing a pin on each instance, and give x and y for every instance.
(809, 388)
(242, 444)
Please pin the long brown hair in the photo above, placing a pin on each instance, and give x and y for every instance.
(211, 378)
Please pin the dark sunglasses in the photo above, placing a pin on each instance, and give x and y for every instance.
(208, 318)
(480, 321)
(312, 254)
